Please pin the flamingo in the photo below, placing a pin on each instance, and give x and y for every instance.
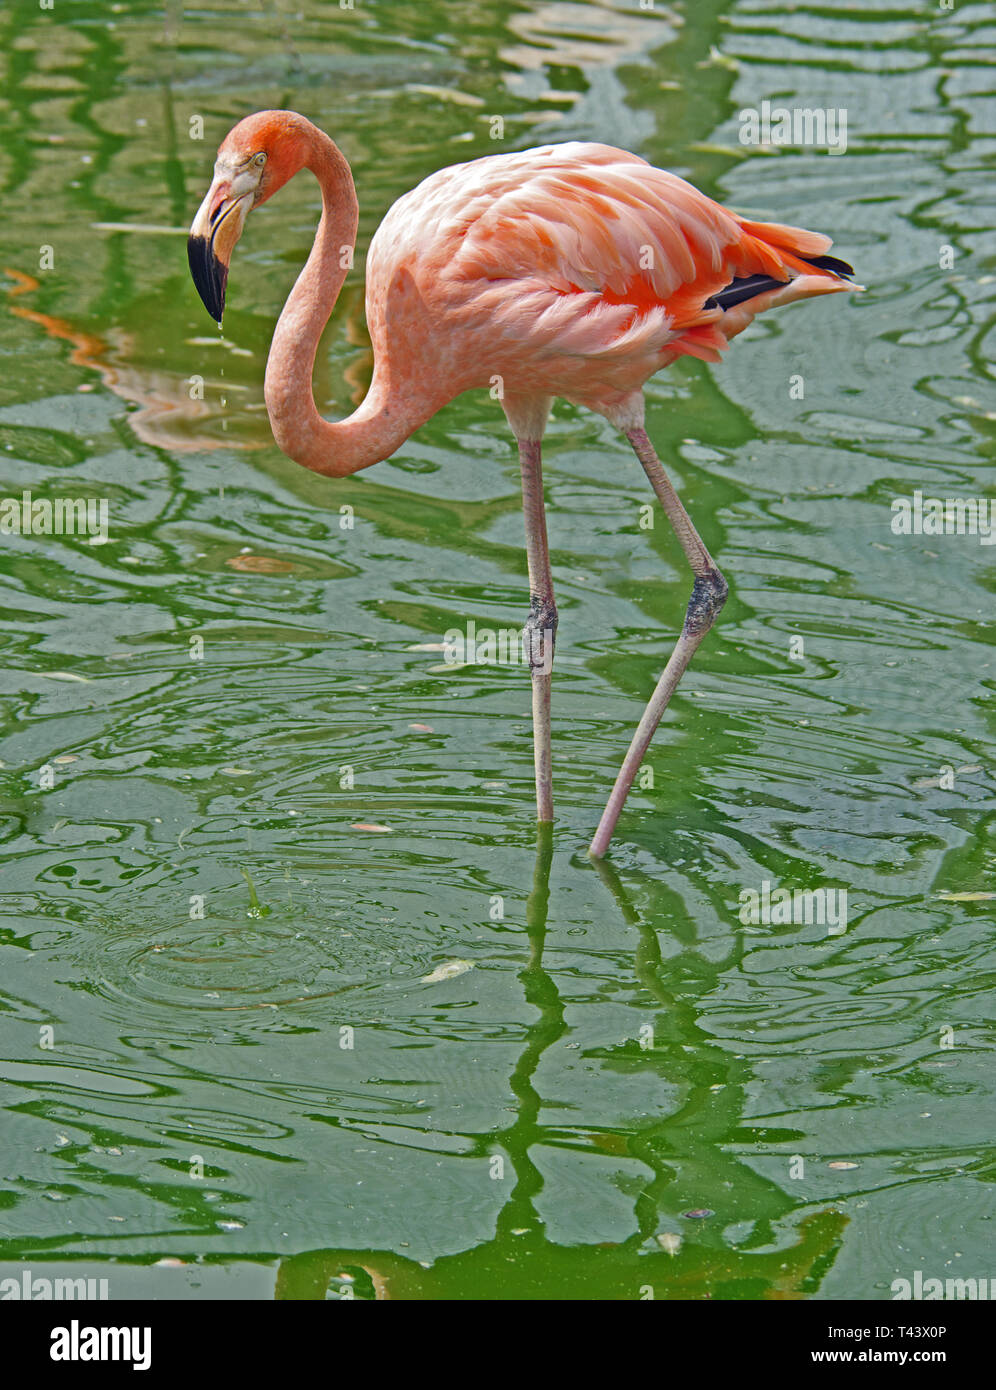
(572, 270)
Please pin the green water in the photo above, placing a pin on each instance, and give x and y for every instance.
(218, 1046)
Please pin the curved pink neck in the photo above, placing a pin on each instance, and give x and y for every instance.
(380, 425)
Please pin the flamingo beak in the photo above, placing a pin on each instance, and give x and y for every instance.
(213, 234)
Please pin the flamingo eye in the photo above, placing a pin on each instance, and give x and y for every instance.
(259, 160)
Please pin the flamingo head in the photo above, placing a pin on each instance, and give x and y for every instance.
(256, 157)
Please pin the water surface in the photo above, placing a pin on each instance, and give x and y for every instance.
(246, 1070)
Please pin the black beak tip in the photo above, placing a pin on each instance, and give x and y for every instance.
(209, 275)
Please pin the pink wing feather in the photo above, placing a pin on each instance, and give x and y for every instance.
(583, 251)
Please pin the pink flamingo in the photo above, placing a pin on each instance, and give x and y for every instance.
(572, 270)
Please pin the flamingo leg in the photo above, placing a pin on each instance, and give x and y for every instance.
(540, 630)
(708, 596)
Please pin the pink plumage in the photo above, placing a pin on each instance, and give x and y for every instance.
(573, 270)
